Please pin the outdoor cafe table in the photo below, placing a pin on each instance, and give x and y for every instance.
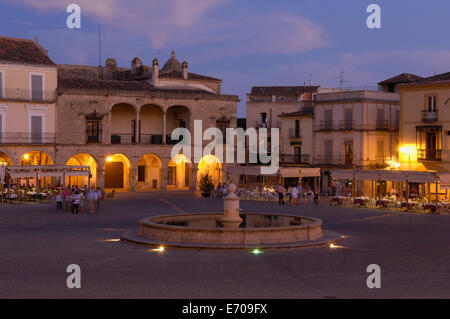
(361, 201)
(383, 203)
(408, 205)
(338, 200)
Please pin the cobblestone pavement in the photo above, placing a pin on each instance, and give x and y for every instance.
(36, 246)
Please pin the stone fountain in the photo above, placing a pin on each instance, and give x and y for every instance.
(231, 229)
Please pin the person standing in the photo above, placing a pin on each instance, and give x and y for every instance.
(59, 202)
(299, 193)
(92, 200)
(280, 194)
(76, 200)
(99, 198)
(294, 195)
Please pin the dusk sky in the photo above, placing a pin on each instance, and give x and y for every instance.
(246, 43)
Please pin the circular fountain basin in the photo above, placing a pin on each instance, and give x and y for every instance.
(207, 231)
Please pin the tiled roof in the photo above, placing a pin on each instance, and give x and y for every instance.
(401, 78)
(77, 71)
(191, 76)
(443, 78)
(114, 85)
(23, 51)
(283, 90)
(303, 112)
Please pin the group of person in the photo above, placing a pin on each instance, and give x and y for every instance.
(73, 199)
(220, 191)
(295, 194)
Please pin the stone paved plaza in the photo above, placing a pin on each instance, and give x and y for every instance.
(37, 245)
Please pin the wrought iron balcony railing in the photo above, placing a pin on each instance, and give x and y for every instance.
(27, 138)
(27, 95)
(429, 155)
(294, 158)
(429, 116)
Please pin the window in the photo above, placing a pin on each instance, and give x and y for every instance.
(37, 87)
(172, 175)
(380, 118)
(348, 151)
(431, 104)
(429, 143)
(328, 119)
(348, 119)
(93, 131)
(263, 118)
(380, 152)
(2, 85)
(328, 150)
(297, 128)
(36, 129)
(141, 173)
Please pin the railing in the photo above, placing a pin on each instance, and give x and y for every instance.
(353, 126)
(27, 95)
(331, 160)
(294, 133)
(27, 138)
(154, 139)
(429, 155)
(294, 158)
(121, 138)
(326, 126)
(429, 116)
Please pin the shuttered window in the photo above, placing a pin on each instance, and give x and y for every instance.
(36, 129)
(1, 85)
(37, 93)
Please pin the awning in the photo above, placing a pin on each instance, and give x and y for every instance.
(342, 174)
(372, 175)
(289, 171)
(50, 174)
(421, 177)
(309, 172)
(23, 175)
(444, 179)
(74, 173)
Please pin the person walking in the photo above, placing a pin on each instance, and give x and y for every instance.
(280, 190)
(66, 198)
(76, 200)
(59, 202)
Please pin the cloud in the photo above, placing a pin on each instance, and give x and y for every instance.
(187, 23)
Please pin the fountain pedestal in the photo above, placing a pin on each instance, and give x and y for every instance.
(231, 217)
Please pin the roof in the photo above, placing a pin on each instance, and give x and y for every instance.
(283, 90)
(23, 51)
(172, 64)
(191, 76)
(443, 78)
(305, 111)
(114, 85)
(401, 78)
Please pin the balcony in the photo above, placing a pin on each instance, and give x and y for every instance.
(347, 125)
(429, 155)
(153, 139)
(330, 160)
(27, 138)
(27, 95)
(429, 116)
(325, 126)
(294, 158)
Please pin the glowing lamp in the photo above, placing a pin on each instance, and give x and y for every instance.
(256, 251)
(26, 156)
(109, 159)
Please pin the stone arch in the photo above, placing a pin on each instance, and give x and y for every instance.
(117, 172)
(6, 158)
(179, 171)
(149, 172)
(83, 159)
(210, 164)
(178, 116)
(151, 124)
(123, 115)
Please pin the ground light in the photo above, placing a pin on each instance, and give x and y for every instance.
(112, 240)
(256, 251)
(160, 249)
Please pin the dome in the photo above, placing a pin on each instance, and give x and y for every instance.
(172, 64)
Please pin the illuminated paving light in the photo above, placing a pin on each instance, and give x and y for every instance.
(344, 236)
(256, 251)
(112, 240)
(160, 249)
(333, 246)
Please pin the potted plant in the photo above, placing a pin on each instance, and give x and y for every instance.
(206, 185)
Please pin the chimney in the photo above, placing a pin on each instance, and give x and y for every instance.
(136, 66)
(155, 72)
(111, 69)
(184, 70)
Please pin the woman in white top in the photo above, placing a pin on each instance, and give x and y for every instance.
(76, 200)
(293, 195)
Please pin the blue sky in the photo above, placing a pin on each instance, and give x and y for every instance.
(247, 43)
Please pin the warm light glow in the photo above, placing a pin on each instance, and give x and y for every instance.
(26, 157)
(109, 159)
(112, 240)
(408, 153)
(256, 251)
(397, 165)
(180, 159)
(160, 249)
